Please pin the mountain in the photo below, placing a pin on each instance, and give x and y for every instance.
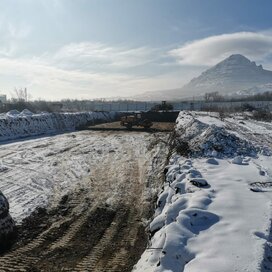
(234, 74)
(230, 75)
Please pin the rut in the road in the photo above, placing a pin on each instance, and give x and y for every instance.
(99, 240)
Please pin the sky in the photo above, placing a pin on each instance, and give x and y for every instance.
(88, 49)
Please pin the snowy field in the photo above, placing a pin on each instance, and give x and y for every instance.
(215, 208)
(214, 212)
(37, 172)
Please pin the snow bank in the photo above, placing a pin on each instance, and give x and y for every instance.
(17, 125)
(199, 136)
(212, 215)
(180, 215)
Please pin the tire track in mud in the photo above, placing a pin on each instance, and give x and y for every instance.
(55, 247)
(100, 240)
(87, 231)
(91, 261)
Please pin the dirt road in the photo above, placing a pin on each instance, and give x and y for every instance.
(104, 184)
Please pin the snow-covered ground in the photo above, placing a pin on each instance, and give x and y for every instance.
(16, 124)
(215, 208)
(39, 172)
(214, 212)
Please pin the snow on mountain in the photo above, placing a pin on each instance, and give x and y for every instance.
(15, 125)
(255, 90)
(231, 75)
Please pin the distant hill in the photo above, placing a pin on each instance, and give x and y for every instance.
(232, 75)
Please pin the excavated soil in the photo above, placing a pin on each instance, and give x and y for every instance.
(87, 230)
(115, 126)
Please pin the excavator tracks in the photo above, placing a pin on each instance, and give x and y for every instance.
(102, 241)
(98, 225)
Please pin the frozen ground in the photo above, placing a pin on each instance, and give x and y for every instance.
(37, 172)
(98, 188)
(214, 212)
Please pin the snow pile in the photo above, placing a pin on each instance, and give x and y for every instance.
(12, 113)
(26, 112)
(16, 125)
(6, 222)
(180, 215)
(209, 206)
(200, 137)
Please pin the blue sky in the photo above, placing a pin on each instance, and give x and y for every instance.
(109, 48)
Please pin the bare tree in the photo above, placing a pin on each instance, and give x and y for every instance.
(21, 95)
(213, 96)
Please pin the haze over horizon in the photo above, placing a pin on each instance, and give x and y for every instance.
(119, 48)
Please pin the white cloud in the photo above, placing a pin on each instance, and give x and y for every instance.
(88, 55)
(80, 70)
(209, 51)
(47, 81)
(90, 70)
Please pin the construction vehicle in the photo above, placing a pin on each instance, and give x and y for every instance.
(135, 120)
(164, 106)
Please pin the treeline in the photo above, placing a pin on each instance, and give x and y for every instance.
(266, 96)
(216, 97)
(74, 105)
(33, 106)
(66, 105)
(21, 99)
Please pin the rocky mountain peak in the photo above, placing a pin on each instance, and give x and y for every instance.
(236, 62)
(237, 58)
(231, 75)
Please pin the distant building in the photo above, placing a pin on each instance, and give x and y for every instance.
(3, 98)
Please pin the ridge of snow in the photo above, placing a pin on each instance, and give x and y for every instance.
(220, 223)
(208, 137)
(16, 125)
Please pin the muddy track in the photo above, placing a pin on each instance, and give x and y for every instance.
(101, 238)
(87, 230)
